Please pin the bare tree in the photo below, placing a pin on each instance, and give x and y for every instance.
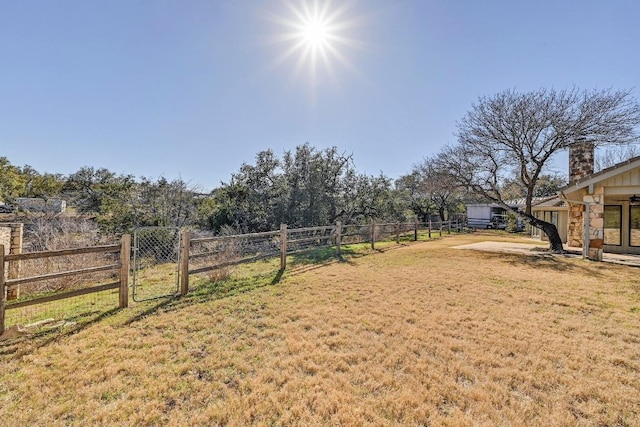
(518, 133)
(610, 156)
(51, 232)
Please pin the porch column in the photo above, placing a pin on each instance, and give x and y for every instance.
(576, 226)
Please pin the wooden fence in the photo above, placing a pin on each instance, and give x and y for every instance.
(256, 246)
(11, 286)
(203, 254)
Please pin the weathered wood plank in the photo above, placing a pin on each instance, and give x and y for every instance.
(184, 263)
(48, 254)
(230, 263)
(125, 259)
(236, 236)
(3, 291)
(309, 239)
(62, 274)
(64, 295)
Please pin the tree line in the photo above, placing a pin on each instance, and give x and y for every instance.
(504, 150)
(302, 187)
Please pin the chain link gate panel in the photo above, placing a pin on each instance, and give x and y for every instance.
(156, 262)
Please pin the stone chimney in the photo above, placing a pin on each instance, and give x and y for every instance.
(580, 159)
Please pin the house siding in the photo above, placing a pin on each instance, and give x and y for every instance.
(630, 178)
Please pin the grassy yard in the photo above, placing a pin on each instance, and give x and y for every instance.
(419, 334)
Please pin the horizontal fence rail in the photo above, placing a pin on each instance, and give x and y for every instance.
(10, 287)
(62, 252)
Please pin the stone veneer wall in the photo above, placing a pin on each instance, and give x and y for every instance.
(576, 228)
(596, 223)
(581, 165)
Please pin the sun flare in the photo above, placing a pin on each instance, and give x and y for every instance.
(316, 36)
(315, 33)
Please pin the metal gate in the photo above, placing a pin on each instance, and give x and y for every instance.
(156, 262)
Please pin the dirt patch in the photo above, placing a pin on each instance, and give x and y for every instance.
(505, 247)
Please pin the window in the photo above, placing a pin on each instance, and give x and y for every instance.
(634, 225)
(613, 225)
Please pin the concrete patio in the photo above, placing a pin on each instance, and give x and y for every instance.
(538, 249)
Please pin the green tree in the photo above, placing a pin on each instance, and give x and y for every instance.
(306, 187)
(413, 189)
(250, 200)
(313, 181)
(370, 197)
(166, 203)
(44, 186)
(111, 198)
(12, 183)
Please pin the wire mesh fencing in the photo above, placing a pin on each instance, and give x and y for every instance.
(356, 233)
(215, 255)
(61, 313)
(62, 286)
(156, 262)
(304, 239)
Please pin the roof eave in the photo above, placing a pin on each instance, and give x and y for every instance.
(604, 174)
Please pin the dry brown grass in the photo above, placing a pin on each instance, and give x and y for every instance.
(420, 335)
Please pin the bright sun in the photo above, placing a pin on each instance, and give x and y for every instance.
(315, 34)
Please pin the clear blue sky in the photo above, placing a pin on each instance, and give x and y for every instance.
(192, 89)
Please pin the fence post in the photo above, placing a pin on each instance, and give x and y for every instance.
(125, 256)
(13, 271)
(397, 233)
(3, 300)
(449, 227)
(415, 231)
(429, 229)
(338, 237)
(283, 246)
(184, 262)
(373, 233)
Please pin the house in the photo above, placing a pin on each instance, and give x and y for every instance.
(599, 212)
(34, 204)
